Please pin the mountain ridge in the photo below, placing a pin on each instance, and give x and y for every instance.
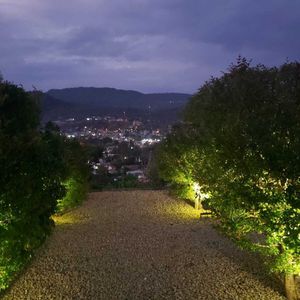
(84, 101)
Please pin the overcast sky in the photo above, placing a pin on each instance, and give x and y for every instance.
(145, 45)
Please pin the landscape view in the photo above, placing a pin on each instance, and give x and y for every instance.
(149, 149)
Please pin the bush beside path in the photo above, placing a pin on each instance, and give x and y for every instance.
(141, 245)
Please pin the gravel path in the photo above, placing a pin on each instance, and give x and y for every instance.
(141, 245)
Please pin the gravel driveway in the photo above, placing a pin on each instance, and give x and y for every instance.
(141, 245)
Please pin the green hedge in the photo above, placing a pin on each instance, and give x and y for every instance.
(34, 165)
(240, 143)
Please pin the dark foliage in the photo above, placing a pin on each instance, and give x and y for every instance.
(34, 164)
(240, 145)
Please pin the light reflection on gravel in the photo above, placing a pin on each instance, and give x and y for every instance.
(141, 245)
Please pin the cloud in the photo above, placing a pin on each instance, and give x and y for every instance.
(148, 45)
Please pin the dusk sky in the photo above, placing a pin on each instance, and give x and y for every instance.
(145, 45)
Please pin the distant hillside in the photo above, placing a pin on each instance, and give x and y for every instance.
(109, 97)
(52, 107)
(78, 102)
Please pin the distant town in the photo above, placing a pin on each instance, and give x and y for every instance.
(120, 148)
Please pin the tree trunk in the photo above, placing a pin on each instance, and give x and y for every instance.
(291, 289)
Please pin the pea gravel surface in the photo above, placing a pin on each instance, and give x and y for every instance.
(141, 245)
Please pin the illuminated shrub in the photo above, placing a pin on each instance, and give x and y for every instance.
(244, 150)
(77, 175)
(76, 190)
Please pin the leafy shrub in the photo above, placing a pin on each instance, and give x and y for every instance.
(76, 190)
(77, 176)
(244, 153)
(36, 169)
(126, 181)
(32, 169)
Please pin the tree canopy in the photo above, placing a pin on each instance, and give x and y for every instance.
(35, 164)
(241, 145)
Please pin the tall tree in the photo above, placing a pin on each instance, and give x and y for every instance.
(31, 172)
(244, 153)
